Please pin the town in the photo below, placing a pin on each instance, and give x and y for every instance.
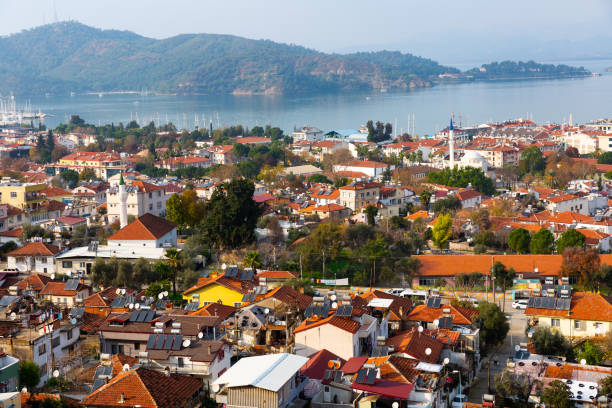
(149, 266)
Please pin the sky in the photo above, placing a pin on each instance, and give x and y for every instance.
(446, 30)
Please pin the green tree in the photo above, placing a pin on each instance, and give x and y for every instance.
(584, 264)
(425, 198)
(446, 205)
(230, 216)
(173, 262)
(323, 244)
(252, 259)
(318, 178)
(542, 242)
(371, 212)
(557, 395)
(532, 161)
(590, 352)
(463, 177)
(493, 324)
(570, 239)
(87, 174)
(142, 272)
(71, 177)
(442, 231)
(605, 386)
(125, 274)
(550, 342)
(605, 158)
(513, 388)
(504, 277)
(185, 209)
(29, 375)
(519, 240)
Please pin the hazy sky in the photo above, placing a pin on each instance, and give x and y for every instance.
(444, 29)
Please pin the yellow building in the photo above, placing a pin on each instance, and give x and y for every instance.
(218, 289)
(25, 196)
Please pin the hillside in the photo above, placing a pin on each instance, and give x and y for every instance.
(69, 56)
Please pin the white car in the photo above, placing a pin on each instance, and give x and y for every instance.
(519, 304)
(459, 401)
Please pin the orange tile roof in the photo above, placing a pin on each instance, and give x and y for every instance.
(289, 296)
(414, 344)
(317, 364)
(230, 283)
(276, 275)
(215, 309)
(561, 198)
(146, 227)
(468, 194)
(35, 249)
(365, 163)
(569, 217)
(57, 289)
(451, 265)
(583, 306)
(344, 323)
(145, 388)
(419, 214)
(145, 187)
(36, 282)
(460, 315)
(330, 208)
(351, 174)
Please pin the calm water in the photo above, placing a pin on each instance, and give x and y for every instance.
(541, 100)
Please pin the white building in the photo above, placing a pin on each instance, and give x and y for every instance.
(369, 168)
(147, 231)
(141, 198)
(308, 133)
(35, 257)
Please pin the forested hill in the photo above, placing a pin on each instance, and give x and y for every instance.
(71, 57)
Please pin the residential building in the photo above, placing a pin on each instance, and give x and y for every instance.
(253, 140)
(25, 196)
(142, 198)
(34, 257)
(268, 381)
(67, 294)
(147, 231)
(304, 170)
(567, 202)
(104, 165)
(359, 194)
(334, 212)
(469, 198)
(219, 288)
(369, 168)
(9, 373)
(176, 163)
(307, 133)
(95, 191)
(223, 154)
(10, 217)
(141, 387)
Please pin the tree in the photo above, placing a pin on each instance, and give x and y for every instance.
(142, 272)
(606, 386)
(424, 198)
(513, 387)
(318, 178)
(173, 261)
(442, 231)
(571, 151)
(503, 277)
(493, 324)
(550, 342)
(519, 240)
(252, 259)
(125, 274)
(583, 264)
(29, 375)
(71, 177)
(446, 205)
(230, 216)
(532, 161)
(87, 174)
(463, 177)
(590, 352)
(557, 395)
(185, 209)
(371, 212)
(605, 158)
(570, 239)
(542, 242)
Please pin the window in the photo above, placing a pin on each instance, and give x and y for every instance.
(237, 304)
(136, 346)
(82, 264)
(42, 349)
(555, 322)
(181, 362)
(578, 325)
(69, 335)
(66, 264)
(55, 342)
(13, 194)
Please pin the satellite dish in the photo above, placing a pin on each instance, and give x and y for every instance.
(13, 316)
(131, 306)
(118, 291)
(186, 343)
(420, 329)
(333, 298)
(583, 361)
(137, 306)
(200, 335)
(24, 390)
(56, 373)
(160, 296)
(215, 387)
(224, 266)
(166, 293)
(266, 310)
(517, 348)
(436, 322)
(123, 291)
(52, 277)
(428, 351)
(73, 321)
(395, 405)
(334, 305)
(446, 361)
(126, 367)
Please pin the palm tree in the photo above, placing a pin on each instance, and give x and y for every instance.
(172, 260)
(252, 259)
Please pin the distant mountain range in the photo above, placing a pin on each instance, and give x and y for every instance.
(71, 57)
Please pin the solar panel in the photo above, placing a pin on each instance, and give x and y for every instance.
(348, 310)
(309, 312)
(245, 298)
(168, 342)
(142, 315)
(337, 376)
(159, 343)
(77, 312)
(150, 315)
(134, 315)
(71, 284)
(160, 305)
(151, 342)
(97, 384)
(192, 306)
(531, 302)
(99, 372)
(361, 376)
(108, 371)
(550, 303)
(371, 377)
(252, 298)
(177, 342)
(328, 374)
(563, 304)
(445, 323)
(247, 276)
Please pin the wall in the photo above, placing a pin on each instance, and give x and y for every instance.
(338, 341)
(214, 292)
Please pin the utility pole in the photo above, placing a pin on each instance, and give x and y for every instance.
(323, 252)
(301, 271)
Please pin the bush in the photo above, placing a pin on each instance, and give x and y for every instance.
(480, 249)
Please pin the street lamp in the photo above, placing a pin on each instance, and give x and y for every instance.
(459, 372)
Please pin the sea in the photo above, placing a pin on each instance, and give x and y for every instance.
(422, 111)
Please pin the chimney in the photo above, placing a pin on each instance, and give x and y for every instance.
(121, 398)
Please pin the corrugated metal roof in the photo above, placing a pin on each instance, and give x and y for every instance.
(269, 372)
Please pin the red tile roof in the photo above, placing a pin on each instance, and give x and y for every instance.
(343, 323)
(145, 388)
(290, 296)
(35, 282)
(146, 227)
(230, 283)
(415, 345)
(353, 364)
(365, 164)
(57, 289)
(583, 306)
(317, 364)
(35, 249)
(460, 315)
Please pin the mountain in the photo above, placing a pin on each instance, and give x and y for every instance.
(69, 56)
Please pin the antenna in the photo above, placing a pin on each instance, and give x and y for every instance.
(126, 367)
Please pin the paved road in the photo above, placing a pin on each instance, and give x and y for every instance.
(515, 336)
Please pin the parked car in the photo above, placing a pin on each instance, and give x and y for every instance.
(519, 304)
(459, 401)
